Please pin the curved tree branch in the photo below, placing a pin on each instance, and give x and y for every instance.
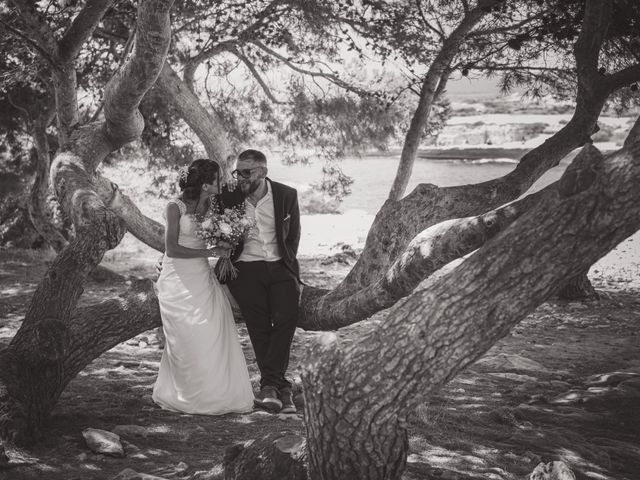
(206, 125)
(97, 328)
(125, 91)
(433, 77)
(145, 229)
(624, 77)
(81, 28)
(254, 71)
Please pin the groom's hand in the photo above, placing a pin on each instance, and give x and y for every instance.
(221, 251)
(225, 245)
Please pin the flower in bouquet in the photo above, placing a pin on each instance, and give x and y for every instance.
(226, 229)
(230, 226)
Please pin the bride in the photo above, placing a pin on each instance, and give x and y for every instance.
(203, 369)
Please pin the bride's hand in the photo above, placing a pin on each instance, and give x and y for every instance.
(219, 251)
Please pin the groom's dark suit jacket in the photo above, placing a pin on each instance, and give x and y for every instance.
(287, 219)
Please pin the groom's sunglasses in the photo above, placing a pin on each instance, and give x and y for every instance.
(244, 172)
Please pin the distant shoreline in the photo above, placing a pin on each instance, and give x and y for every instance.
(471, 153)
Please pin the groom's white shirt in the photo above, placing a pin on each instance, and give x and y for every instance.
(261, 243)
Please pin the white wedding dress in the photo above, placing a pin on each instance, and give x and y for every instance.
(203, 369)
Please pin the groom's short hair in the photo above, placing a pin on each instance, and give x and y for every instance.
(255, 155)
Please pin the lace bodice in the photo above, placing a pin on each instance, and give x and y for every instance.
(187, 236)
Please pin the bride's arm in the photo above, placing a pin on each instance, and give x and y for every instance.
(171, 246)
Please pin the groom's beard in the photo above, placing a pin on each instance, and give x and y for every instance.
(249, 187)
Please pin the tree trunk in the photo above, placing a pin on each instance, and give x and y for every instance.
(578, 288)
(350, 432)
(37, 366)
(358, 396)
(53, 343)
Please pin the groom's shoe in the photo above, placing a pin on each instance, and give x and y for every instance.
(268, 399)
(287, 401)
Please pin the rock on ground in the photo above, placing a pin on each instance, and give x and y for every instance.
(101, 441)
(552, 471)
(276, 456)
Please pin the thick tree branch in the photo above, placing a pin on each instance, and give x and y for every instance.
(126, 89)
(429, 251)
(426, 253)
(146, 230)
(206, 125)
(81, 28)
(595, 24)
(66, 93)
(624, 77)
(97, 328)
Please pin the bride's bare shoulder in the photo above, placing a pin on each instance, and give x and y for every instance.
(173, 204)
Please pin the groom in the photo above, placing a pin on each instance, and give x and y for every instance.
(267, 285)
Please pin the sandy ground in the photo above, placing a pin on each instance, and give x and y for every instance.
(563, 385)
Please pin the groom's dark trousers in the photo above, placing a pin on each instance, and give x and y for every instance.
(268, 292)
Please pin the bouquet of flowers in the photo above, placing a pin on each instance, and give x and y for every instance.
(230, 225)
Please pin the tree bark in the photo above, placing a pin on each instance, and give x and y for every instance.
(578, 288)
(363, 393)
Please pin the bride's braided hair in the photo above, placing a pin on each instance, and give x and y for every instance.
(200, 171)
